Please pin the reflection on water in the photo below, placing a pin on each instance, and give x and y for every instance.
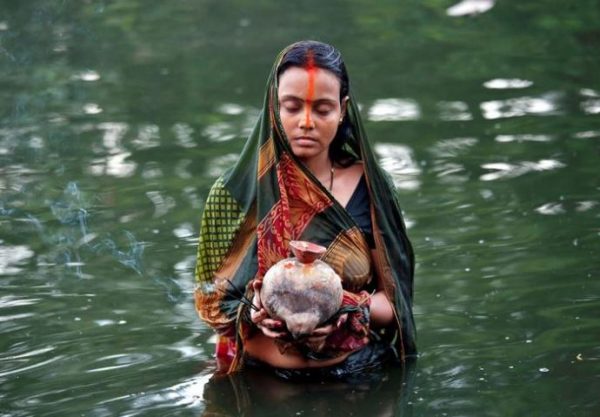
(87, 75)
(504, 83)
(591, 106)
(454, 111)
(519, 106)
(184, 134)
(394, 110)
(239, 122)
(11, 257)
(470, 7)
(257, 393)
(220, 132)
(587, 134)
(550, 208)
(92, 108)
(148, 136)
(398, 161)
(406, 109)
(524, 137)
(506, 170)
(220, 164)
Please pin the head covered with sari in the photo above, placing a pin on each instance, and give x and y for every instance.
(269, 198)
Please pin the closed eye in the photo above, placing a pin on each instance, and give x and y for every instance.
(291, 105)
(323, 111)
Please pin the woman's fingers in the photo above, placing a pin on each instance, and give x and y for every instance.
(272, 323)
(318, 336)
(271, 328)
(256, 286)
(262, 317)
(341, 320)
(323, 331)
(270, 333)
(258, 316)
(330, 328)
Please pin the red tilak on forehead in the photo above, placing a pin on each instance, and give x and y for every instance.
(311, 69)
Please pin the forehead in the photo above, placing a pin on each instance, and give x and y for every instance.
(296, 81)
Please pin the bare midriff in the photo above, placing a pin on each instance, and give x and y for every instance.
(265, 350)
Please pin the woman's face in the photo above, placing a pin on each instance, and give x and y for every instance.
(310, 110)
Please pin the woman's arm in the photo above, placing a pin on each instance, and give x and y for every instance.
(382, 311)
(382, 314)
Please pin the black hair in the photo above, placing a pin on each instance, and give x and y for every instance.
(326, 57)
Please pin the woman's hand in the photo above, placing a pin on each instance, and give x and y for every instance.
(270, 327)
(316, 340)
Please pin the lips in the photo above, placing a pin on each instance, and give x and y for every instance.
(305, 140)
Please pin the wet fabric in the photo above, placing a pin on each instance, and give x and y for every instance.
(359, 207)
(270, 198)
(368, 359)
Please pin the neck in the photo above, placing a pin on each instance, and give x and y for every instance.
(319, 166)
(322, 169)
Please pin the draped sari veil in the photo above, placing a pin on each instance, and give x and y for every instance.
(269, 198)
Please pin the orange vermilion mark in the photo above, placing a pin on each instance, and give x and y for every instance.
(310, 93)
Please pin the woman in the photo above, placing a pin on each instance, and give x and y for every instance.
(307, 173)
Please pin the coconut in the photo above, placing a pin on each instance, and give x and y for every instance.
(303, 291)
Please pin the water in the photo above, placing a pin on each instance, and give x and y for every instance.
(115, 118)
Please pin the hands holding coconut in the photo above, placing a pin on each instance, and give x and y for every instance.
(301, 300)
(277, 329)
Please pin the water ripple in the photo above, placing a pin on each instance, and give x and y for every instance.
(450, 148)
(119, 361)
(470, 7)
(12, 256)
(220, 164)
(502, 170)
(394, 110)
(454, 111)
(87, 75)
(162, 204)
(520, 106)
(507, 83)
(148, 137)
(230, 109)
(10, 301)
(550, 208)
(523, 138)
(30, 367)
(220, 132)
(13, 317)
(399, 162)
(184, 135)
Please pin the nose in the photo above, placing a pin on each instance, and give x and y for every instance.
(306, 122)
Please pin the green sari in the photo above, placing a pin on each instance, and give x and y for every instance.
(268, 199)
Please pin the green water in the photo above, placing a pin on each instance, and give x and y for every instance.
(116, 116)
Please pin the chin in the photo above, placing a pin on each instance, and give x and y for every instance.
(303, 153)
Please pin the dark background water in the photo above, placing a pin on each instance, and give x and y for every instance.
(116, 116)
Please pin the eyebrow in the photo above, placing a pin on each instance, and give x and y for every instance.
(288, 97)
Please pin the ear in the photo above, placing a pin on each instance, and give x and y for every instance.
(344, 105)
